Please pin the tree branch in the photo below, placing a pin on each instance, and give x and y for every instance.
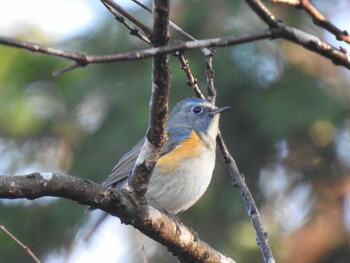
(317, 17)
(25, 248)
(252, 210)
(191, 80)
(84, 59)
(308, 41)
(314, 44)
(210, 76)
(115, 8)
(261, 10)
(124, 204)
(156, 133)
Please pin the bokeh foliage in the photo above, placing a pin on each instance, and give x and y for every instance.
(288, 129)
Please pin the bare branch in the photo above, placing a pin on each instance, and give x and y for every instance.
(236, 176)
(132, 19)
(337, 56)
(66, 69)
(124, 204)
(252, 210)
(261, 10)
(26, 249)
(113, 8)
(191, 80)
(84, 59)
(178, 29)
(308, 41)
(317, 17)
(210, 76)
(286, 2)
(156, 133)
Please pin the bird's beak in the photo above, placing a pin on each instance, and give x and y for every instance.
(219, 110)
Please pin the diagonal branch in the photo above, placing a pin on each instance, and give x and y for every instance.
(173, 26)
(261, 10)
(26, 249)
(115, 8)
(175, 236)
(317, 17)
(191, 80)
(132, 19)
(252, 210)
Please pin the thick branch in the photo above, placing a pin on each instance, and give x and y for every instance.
(162, 228)
(156, 134)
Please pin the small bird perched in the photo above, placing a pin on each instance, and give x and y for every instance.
(185, 167)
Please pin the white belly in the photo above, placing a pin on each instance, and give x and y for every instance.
(178, 190)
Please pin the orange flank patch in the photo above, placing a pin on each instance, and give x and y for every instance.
(190, 147)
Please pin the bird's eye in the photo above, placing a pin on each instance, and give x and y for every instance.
(197, 109)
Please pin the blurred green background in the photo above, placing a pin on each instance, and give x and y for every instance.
(288, 129)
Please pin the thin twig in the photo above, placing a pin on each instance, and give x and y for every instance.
(26, 249)
(286, 2)
(66, 69)
(132, 19)
(317, 17)
(261, 10)
(133, 30)
(178, 29)
(236, 176)
(301, 38)
(210, 76)
(137, 55)
(252, 210)
(191, 80)
(142, 245)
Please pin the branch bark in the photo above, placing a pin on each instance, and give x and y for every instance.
(252, 210)
(171, 233)
(317, 17)
(301, 38)
(156, 133)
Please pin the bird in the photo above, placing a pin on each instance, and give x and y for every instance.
(185, 166)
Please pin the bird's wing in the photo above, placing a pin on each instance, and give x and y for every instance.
(125, 165)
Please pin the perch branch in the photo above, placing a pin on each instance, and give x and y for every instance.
(124, 204)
